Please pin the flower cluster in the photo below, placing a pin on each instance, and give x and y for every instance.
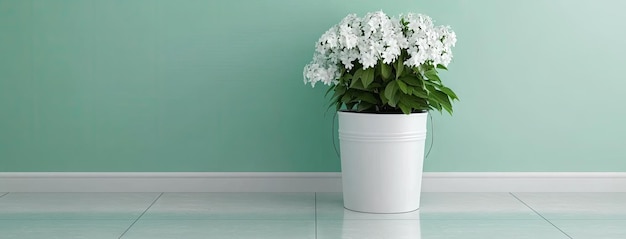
(377, 37)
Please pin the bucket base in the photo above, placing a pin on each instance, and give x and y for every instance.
(381, 212)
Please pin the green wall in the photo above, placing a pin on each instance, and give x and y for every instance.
(214, 85)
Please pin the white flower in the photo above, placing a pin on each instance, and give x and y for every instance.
(377, 37)
(348, 57)
(322, 68)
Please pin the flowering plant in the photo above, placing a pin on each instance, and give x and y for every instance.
(383, 64)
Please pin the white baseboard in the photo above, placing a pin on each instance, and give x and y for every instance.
(303, 182)
(525, 182)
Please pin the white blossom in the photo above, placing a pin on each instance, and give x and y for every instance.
(377, 37)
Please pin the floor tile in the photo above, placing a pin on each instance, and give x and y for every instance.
(593, 229)
(437, 229)
(75, 205)
(227, 229)
(368, 229)
(437, 206)
(62, 229)
(577, 205)
(275, 206)
(474, 206)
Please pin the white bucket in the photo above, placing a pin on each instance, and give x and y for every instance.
(382, 158)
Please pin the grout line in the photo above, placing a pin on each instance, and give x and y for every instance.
(541, 215)
(3, 195)
(315, 215)
(144, 212)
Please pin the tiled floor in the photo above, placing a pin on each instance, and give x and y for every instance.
(309, 215)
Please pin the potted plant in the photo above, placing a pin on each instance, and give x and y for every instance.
(384, 74)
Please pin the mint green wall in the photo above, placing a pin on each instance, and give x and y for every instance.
(213, 85)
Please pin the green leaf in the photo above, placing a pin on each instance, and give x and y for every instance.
(409, 90)
(364, 106)
(440, 66)
(435, 105)
(338, 105)
(385, 71)
(396, 98)
(345, 78)
(393, 102)
(449, 92)
(330, 89)
(428, 67)
(441, 98)
(357, 73)
(411, 80)
(367, 97)
(403, 87)
(432, 83)
(340, 90)
(367, 77)
(416, 70)
(383, 99)
(390, 90)
(420, 76)
(358, 86)
(405, 109)
(414, 102)
(421, 93)
(356, 83)
(346, 98)
(432, 75)
(349, 106)
(335, 99)
(374, 85)
(399, 66)
(356, 78)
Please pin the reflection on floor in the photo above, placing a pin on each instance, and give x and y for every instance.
(309, 215)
